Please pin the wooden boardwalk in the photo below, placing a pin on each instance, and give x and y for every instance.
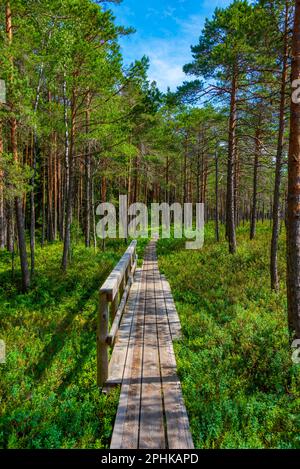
(151, 411)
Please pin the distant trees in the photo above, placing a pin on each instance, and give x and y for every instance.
(68, 112)
(245, 49)
(280, 22)
(79, 127)
(225, 53)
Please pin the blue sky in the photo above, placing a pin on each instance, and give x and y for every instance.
(165, 30)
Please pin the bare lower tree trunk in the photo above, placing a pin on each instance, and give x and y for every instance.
(185, 170)
(2, 222)
(129, 182)
(198, 180)
(32, 206)
(14, 148)
(280, 143)
(230, 222)
(50, 191)
(70, 193)
(59, 197)
(32, 182)
(87, 227)
(10, 226)
(43, 205)
(167, 196)
(293, 197)
(255, 182)
(20, 216)
(137, 162)
(93, 213)
(204, 177)
(217, 196)
(103, 189)
(67, 156)
(236, 188)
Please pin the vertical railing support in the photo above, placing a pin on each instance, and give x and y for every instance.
(114, 306)
(102, 333)
(112, 301)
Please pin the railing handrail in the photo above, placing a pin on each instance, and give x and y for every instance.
(119, 281)
(112, 283)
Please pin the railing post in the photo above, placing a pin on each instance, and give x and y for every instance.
(122, 285)
(128, 273)
(114, 306)
(102, 333)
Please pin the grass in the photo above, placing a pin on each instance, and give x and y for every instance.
(240, 386)
(48, 392)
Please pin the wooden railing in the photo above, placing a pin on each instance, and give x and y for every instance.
(112, 301)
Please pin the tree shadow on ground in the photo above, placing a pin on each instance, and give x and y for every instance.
(60, 334)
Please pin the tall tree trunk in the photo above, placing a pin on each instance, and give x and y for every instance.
(32, 206)
(10, 230)
(55, 187)
(2, 221)
(255, 182)
(204, 177)
(59, 196)
(230, 221)
(280, 143)
(50, 190)
(293, 197)
(236, 188)
(217, 196)
(198, 181)
(93, 213)
(185, 169)
(70, 193)
(129, 183)
(32, 182)
(43, 204)
(137, 163)
(167, 196)
(14, 148)
(67, 156)
(87, 228)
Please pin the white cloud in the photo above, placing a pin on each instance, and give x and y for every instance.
(192, 26)
(169, 11)
(169, 53)
(165, 73)
(167, 56)
(152, 12)
(166, 60)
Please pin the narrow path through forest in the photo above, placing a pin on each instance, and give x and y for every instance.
(151, 412)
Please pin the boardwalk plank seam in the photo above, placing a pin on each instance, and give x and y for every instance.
(151, 411)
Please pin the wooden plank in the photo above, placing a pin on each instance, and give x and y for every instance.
(119, 354)
(113, 281)
(126, 428)
(151, 412)
(173, 318)
(152, 434)
(177, 423)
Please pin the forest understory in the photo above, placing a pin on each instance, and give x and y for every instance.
(82, 125)
(234, 360)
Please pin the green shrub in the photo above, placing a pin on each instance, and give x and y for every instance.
(48, 395)
(240, 386)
